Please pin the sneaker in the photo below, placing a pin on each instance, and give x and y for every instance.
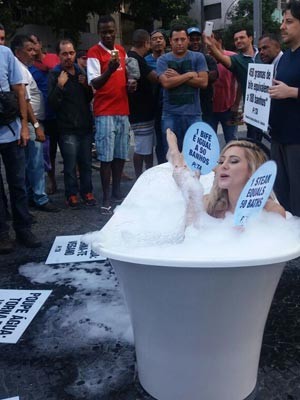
(48, 207)
(89, 199)
(73, 202)
(28, 239)
(6, 244)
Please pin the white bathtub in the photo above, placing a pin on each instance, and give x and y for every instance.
(198, 325)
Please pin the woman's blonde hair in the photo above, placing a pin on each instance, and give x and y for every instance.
(218, 202)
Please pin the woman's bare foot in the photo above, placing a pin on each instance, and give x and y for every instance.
(174, 155)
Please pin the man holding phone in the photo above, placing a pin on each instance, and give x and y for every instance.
(106, 71)
(238, 64)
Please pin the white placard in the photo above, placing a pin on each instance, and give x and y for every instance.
(17, 310)
(256, 193)
(258, 101)
(13, 398)
(201, 148)
(70, 249)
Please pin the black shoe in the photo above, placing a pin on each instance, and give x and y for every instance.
(48, 207)
(28, 239)
(6, 244)
(33, 219)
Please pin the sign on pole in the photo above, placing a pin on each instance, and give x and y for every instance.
(257, 98)
(255, 193)
(201, 148)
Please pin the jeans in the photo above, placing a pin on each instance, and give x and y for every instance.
(35, 171)
(179, 125)
(13, 157)
(229, 131)
(77, 150)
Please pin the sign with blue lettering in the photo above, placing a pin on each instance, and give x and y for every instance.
(201, 148)
(255, 193)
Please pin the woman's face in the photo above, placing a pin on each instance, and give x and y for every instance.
(233, 170)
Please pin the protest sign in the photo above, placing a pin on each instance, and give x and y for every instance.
(17, 310)
(257, 98)
(13, 398)
(201, 148)
(255, 193)
(70, 249)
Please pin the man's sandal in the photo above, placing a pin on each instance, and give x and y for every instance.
(106, 210)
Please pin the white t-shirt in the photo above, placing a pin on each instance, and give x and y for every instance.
(33, 93)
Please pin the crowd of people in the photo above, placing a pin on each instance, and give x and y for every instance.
(73, 99)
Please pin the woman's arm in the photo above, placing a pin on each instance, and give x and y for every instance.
(273, 206)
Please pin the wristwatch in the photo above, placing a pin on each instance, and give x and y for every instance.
(36, 125)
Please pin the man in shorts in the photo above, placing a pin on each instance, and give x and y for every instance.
(141, 104)
(107, 74)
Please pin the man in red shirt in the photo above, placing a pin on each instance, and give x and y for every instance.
(106, 71)
(226, 97)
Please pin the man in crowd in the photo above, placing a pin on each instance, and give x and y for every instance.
(270, 50)
(13, 136)
(141, 104)
(158, 46)
(40, 70)
(81, 59)
(69, 95)
(107, 74)
(226, 97)
(5, 200)
(238, 64)
(182, 73)
(206, 95)
(285, 116)
(2, 35)
(23, 49)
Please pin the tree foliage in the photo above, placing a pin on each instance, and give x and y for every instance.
(241, 17)
(70, 16)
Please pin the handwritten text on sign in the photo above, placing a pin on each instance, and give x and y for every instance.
(255, 193)
(257, 99)
(17, 309)
(201, 147)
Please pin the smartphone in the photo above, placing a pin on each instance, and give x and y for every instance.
(208, 28)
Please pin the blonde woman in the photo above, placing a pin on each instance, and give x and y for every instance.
(238, 160)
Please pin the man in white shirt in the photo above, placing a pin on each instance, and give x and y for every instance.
(23, 48)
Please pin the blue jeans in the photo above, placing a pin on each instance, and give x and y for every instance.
(13, 157)
(179, 124)
(35, 170)
(223, 117)
(77, 150)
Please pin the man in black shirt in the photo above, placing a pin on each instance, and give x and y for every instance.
(141, 104)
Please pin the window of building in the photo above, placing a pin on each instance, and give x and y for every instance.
(213, 11)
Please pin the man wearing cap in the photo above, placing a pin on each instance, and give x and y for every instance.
(181, 73)
(81, 59)
(157, 45)
(206, 95)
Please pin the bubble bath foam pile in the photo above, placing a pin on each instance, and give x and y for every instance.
(152, 221)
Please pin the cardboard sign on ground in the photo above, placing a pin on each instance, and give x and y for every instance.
(70, 249)
(17, 310)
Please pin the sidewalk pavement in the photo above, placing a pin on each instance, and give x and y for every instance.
(66, 356)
